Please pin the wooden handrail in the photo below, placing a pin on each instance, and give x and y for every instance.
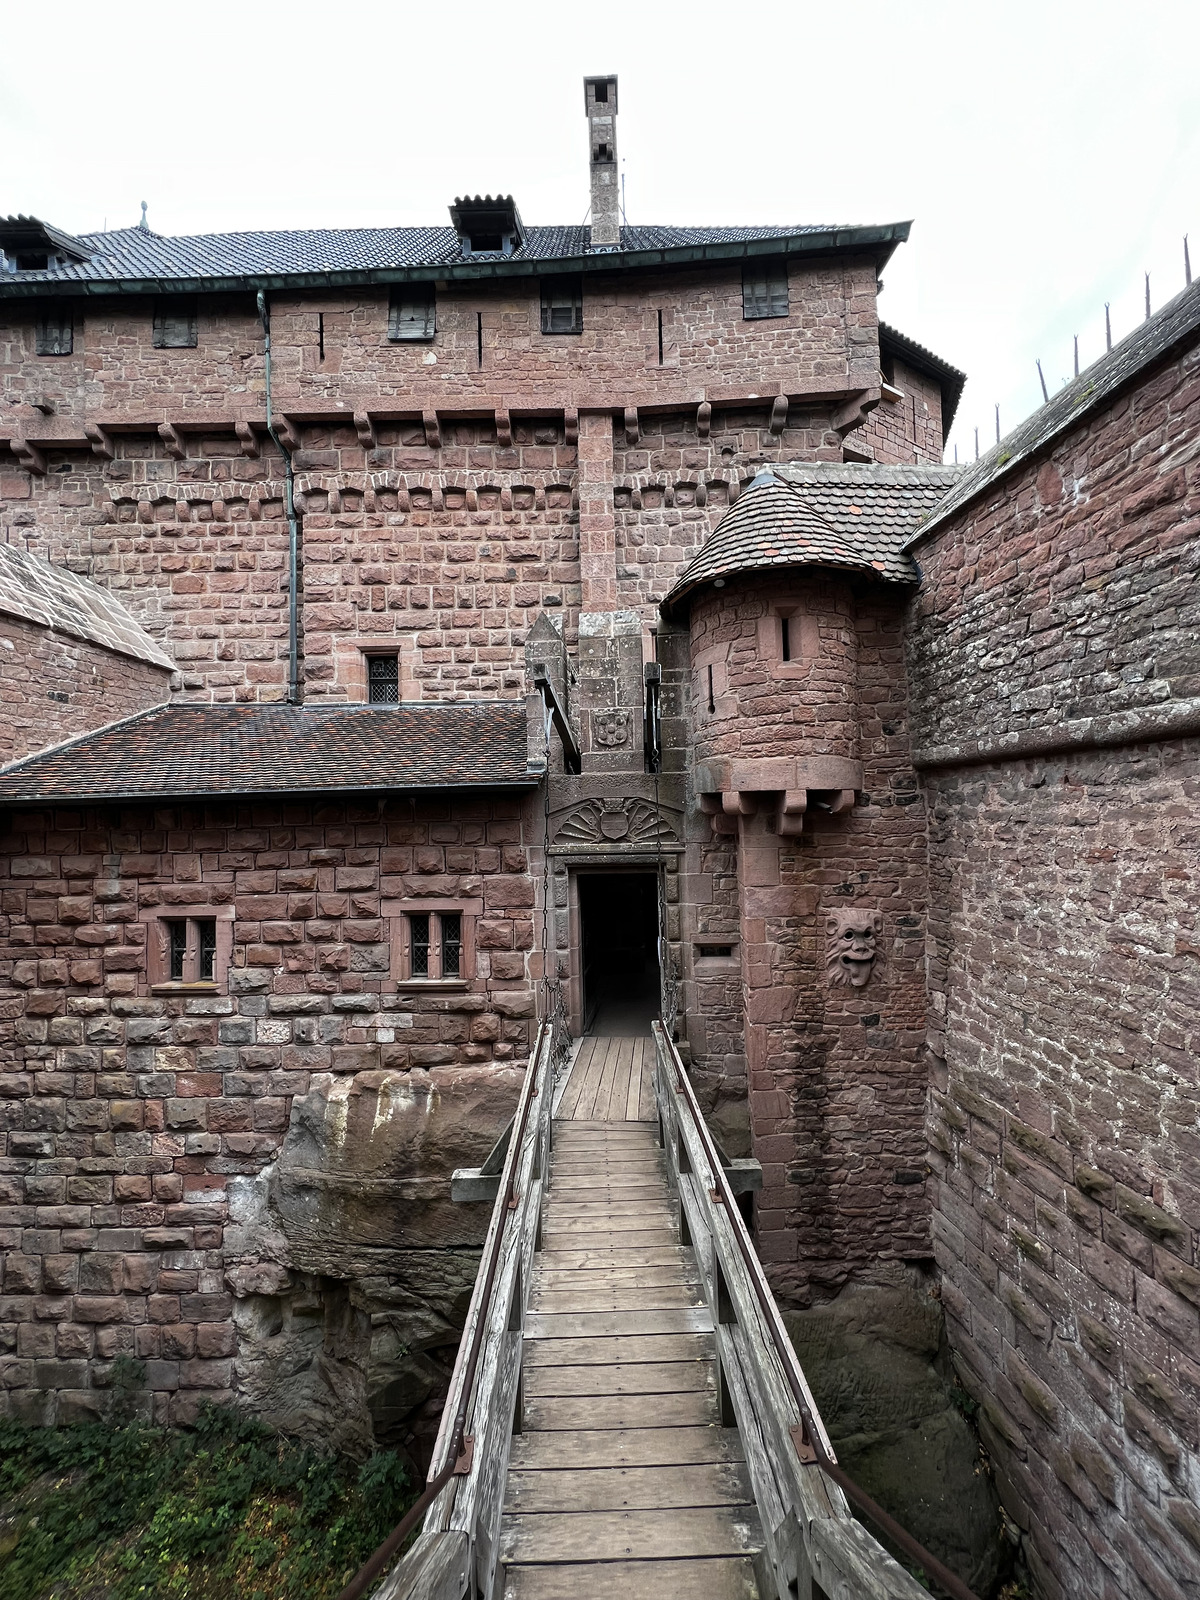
(453, 1451)
(810, 1442)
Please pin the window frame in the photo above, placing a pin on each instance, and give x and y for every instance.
(560, 288)
(400, 911)
(370, 656)
(764, 272)
(804, 637)
(157, 920)
(62, 316)
(410, 331)
(173, 310)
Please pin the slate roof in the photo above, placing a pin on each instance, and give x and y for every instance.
(124, 257)
(851, 515)
(205, 751)
(1178, 322)
(55, 598)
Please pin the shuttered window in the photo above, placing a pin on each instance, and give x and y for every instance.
(175, 325)
(412, 314)
(765, 290)
(562, 305)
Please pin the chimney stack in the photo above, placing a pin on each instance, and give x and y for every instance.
(600, 99)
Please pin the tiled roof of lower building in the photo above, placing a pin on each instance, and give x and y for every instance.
(854, 516)
(179, 751)
(55, 598)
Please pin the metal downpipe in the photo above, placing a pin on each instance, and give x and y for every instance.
(289, 478)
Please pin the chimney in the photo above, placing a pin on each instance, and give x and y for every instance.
(600, 99)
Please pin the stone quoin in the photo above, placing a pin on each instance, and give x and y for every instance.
(552, 588)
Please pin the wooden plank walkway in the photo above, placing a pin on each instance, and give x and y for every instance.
(611, 1080)
(622, 1483)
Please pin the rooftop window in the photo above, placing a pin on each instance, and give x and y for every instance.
(486, 226)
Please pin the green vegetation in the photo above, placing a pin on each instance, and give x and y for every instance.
(227, 1509)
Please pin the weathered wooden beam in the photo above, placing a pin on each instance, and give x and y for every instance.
(436, 1568)
(572, 756)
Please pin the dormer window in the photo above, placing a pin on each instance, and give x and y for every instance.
(29, 245)
(486, 226)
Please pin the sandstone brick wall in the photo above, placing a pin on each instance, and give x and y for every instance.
(1056, 629)
(53, 686)
(331, 350)
(836, 1078)
(125, 1112)
(907, 429)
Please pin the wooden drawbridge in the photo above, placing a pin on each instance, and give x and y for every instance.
(627, 1418)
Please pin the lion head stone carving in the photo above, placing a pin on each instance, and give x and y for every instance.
(852, 953)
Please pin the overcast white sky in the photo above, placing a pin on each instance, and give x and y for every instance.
(1047, 151)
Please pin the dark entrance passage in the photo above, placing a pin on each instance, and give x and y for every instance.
(618, 912)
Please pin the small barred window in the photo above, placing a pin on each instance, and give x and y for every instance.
(765, 290)
(56, 332)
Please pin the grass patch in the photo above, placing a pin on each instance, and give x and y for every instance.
(225, 1509)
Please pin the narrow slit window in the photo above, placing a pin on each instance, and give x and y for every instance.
(712, 699)
(175, 325)
(562, 305)
(479, 338)
(56, 332)
(383, 680)
(765, 291)
(785, 637)
(418, 928)
(412, 314)
(660, 341)
(321, 334)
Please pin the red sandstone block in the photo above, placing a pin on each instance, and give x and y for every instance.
(106, 1308)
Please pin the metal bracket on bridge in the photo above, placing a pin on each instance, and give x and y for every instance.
(466, 1460)
(470, 1185)
(803, 1443)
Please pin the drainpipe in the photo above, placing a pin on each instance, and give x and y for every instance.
(289, 477)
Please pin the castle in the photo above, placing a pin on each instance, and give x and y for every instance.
(407, 632)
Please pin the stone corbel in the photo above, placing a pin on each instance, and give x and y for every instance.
(173, 440)
(247, 439)
(29, 456)
(571, 425)
(365, 430)
(779, 414)
(503, 429)
(632, 430)
(99, 440)
(785, 787)
(703, 419)
(789, 819)
(287, 433)
(433, 431)
(853, 413)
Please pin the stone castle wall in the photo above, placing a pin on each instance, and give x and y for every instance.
(127, 1108)
(53, 686)
(1053, 660)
